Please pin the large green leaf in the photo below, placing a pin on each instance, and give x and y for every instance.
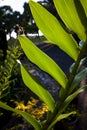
(34, 85)
(72, 14)
(43, 61)
(27, 116)
(53, 30)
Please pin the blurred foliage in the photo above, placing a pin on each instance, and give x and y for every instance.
(8, 71)
(12, 89)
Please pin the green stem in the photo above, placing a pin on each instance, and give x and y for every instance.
(74, 72)
(71, 78)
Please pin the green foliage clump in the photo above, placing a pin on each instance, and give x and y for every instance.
(8, 71)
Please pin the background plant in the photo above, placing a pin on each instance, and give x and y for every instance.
(9, 75)
(75, 20)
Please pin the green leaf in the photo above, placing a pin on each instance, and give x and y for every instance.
(82, 62)
(32, 83)
(67, 101)
(53, 30)
(27, 116)
(72, 14)
(59, 118)
(78, 79)
(84, 4)
(62, 116)
(70, 98)
(43, 61)
(71, 67)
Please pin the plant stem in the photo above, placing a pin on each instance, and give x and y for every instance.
(74, 72)
(71, 78)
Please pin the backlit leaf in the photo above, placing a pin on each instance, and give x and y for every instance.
(43, 61)
(73, 15)
(53, 31)
(34, 85)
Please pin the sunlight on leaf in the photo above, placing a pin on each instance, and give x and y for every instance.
(43, 61)
(73, 17)
(53, 31)
(34, 85)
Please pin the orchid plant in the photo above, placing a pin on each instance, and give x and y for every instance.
(74, 15)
